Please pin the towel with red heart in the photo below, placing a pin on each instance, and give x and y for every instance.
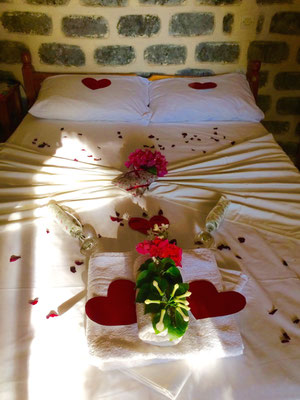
(112, 333)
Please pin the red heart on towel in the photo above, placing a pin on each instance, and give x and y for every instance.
(143, 225)
(206, 302)
(118, 308)
(93, 84)
(201, 86)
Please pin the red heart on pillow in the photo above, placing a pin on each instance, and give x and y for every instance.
(206, 302)
(143, 225)
(201, 86)
(118, 308)
(93, 84)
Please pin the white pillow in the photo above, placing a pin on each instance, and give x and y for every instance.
(172, 100)
(93, 98)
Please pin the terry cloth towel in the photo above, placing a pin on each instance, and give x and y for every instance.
(120, 346)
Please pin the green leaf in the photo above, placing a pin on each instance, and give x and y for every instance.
(183, 287)
(166, 263)
(153, 308)
(143, 277)
(146, 264)
(152, 170)
(173, 274)
(143, 293)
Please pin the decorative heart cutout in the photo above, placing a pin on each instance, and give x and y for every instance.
(93, 84)
(206, 302)
(118, 308)
(143, 225)
(202, 86)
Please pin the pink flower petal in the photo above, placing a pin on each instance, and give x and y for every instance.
(47, 231)
(14, 258)
(52, 314)
(34, 301)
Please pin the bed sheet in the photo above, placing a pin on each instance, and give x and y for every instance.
(46, 358)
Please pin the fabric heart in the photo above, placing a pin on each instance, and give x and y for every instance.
(118, 308)
(93, 84)
(202, 86)
(206, 302)
(143, 225)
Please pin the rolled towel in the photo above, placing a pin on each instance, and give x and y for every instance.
(204, 267)
(119, 346)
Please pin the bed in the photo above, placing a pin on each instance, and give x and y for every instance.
(43, 272)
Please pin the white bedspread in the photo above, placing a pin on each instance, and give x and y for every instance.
(47, 358)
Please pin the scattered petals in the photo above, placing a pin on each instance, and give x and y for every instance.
(73, 269)
(91, 155)
(97, 159)
(77, 262)
(75, 159)
(184, 135)
(223, 247)
(47, 231)
(116, 219)
(272, 312)
(14, 258)
(34, 301)
(52, 314)
(83, 149)
(241, 239)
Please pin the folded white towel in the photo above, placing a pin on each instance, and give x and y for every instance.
(119, 346)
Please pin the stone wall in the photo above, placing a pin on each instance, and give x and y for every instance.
(166, 36)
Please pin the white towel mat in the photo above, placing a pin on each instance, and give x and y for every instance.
(119, 346)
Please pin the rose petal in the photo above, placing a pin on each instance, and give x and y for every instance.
(77, 262)
(116, 219)
(73, 269)
(47, 231)
(14, 258)
(34, 301)
(241, 239)
(52, 314)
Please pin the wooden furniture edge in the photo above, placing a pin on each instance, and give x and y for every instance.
(33, 79)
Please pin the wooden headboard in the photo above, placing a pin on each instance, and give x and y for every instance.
(33, 79)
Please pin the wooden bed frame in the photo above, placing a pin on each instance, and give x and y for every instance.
(33, 79)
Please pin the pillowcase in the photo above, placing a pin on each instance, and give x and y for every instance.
(93, 98)
(173, 100)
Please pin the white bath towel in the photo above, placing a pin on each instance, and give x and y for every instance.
(120, 346)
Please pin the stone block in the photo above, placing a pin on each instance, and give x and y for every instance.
(84, 26)
(191, 24)
(105, 3)
(162, 2)
(287, 81)
(264, 102)
(218, 2)
(226, 52)
(268, 52)
(195, 72)
(10, 52)
(48, 2)
(260, 23)
(114, 55)
(263, 78)
(228, 22)
(27, 22)
(138, 25)
(288, 106)
(165, 54)
(61, 54)
(277, 127)
(286, 23)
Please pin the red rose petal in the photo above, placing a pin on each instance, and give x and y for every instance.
(77, 262)
(202, 86)
(97, 159)
(73, 269)
(52, 314)
(47, 231)
(14, 258)
(34, 301)
(116, 219)
(75, 159)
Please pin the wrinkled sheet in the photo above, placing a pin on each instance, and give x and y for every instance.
(46, 358)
